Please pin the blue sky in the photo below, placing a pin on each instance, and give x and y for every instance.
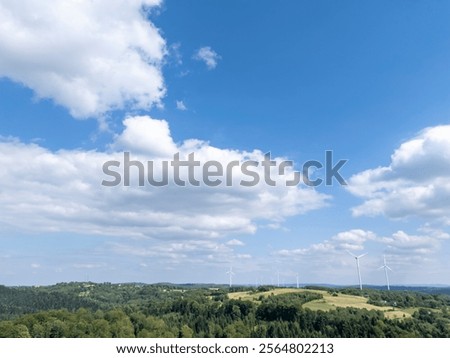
(80, 83)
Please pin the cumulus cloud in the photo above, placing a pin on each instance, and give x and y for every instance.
(352, 240)
(88, 56)
(144, 136)
(208, 56)
(415, 184)
(345, 240)
(61, 191)
(401, 242)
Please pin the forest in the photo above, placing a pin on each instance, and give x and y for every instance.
(164, 310)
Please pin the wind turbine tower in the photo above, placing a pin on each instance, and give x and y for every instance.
(357, 266)
(297, 280)
(386, 268)
(230, 273)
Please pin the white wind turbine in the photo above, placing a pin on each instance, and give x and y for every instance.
(230, 273)
(386, 268)
(357, 266)
(297, 279)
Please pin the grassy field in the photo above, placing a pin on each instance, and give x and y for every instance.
(328, 302)
(254, 296)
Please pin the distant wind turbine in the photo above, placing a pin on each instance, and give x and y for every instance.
(297, 279)
(231, 273)
(357, 266)
(386, 268)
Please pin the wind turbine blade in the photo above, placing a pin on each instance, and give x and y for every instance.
(353, 255)
(229, 273)
(362, 255)
(388, 268)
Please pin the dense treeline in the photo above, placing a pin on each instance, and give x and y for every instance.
(408, 299)
(400, 299)
(16, 301)
(167, 311)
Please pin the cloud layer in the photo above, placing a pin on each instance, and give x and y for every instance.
(88, 56)
(415, 184)
(61, 191)
(413, 257)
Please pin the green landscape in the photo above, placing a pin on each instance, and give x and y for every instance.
(86, 309)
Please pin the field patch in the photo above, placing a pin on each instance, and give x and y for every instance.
(254, 296)
(328, 302)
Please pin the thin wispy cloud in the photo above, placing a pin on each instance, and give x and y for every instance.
(208, 56)
(235, 242)
(181, 106)
(174, 54)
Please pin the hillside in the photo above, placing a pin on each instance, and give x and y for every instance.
(330, 301)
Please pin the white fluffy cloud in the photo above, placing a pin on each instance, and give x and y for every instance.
(61, 191)
(88, 56)
(208, 56)
(144, 136)
(415, 184)
(352, 240)
(401, 243)
(345, 240)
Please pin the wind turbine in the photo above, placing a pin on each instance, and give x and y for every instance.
(278, 278)
(231, 273)
(357, 266)
(297, 279)
(386, 267)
